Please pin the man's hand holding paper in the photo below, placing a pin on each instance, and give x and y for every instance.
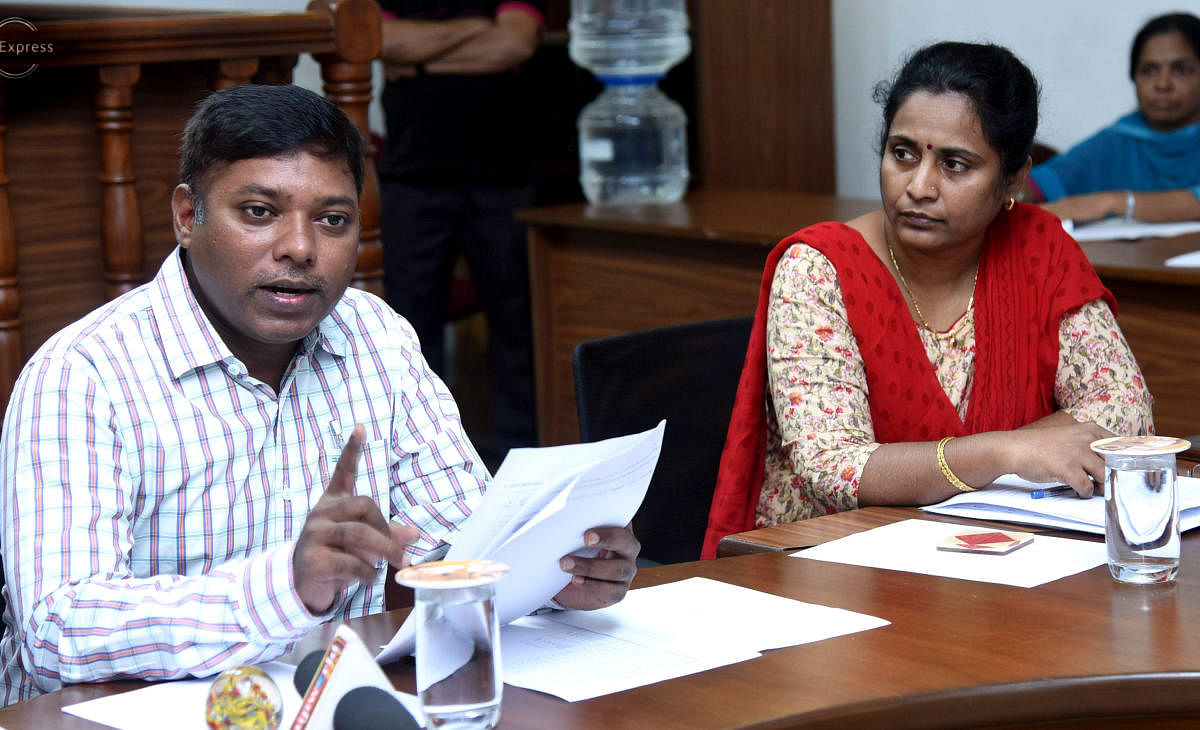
(542, 510)
(601, 580)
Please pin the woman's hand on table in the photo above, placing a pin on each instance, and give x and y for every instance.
(1090, 207)
(1058, 449)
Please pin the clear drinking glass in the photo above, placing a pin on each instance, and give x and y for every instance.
(1141, 507)
(458, 642)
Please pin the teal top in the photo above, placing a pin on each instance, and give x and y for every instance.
(1129, 155)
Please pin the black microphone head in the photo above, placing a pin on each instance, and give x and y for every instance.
(370, 708)
(306, 669)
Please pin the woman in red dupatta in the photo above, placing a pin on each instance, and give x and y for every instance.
(940, 342)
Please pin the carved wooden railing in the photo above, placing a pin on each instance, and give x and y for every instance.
(66, 247)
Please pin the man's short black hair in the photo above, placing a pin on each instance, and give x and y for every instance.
(253, 120)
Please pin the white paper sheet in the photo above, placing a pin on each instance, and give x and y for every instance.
(180, 705)
(181, 701)
(577, 664)
(660, 633)
(539, 505)
(1116, 229)
(911, 546)
(655, 634)
(680, 614)
(1008, 500)
(1184, 260)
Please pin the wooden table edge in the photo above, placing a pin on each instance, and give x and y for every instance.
(1135, 697)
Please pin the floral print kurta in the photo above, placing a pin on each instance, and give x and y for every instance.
(819, 432)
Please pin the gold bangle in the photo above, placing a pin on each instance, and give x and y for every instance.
(951, 477)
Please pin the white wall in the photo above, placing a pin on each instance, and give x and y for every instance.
(1078, 49)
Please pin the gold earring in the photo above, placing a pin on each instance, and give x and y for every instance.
(1011, 202)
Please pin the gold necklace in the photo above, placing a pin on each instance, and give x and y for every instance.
(913, 298)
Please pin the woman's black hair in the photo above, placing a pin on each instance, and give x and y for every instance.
(248, 121)
(1185, 24)
(1002, 90)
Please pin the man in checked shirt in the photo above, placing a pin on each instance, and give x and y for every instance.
(179, 485)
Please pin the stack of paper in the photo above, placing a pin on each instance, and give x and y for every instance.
(1008, 500)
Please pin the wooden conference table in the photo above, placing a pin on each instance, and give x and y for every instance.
(599, 271)
(1078, 652)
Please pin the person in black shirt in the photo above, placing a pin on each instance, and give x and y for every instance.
(455, 167)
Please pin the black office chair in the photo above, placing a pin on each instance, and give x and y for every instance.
(687, 374)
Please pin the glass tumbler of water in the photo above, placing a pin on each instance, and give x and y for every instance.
(458, 641)
(1141, 507)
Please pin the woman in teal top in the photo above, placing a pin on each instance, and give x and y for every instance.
(1146, 165)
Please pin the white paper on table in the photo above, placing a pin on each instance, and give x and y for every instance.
(182, 701)
(677, 615)
(911, 546)
(1111, 229)
(576, 664)
(180, 704)
(660, 633)
(1007, 500)
(1190, 259)
(540, 503)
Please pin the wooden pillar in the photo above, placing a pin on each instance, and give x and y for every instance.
(121, 220)
(11, 356)
(234, 72)
(347, 82)
(774, 57)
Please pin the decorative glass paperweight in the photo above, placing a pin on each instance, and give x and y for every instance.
(245, 698)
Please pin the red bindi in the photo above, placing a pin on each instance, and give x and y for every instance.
(928, 146)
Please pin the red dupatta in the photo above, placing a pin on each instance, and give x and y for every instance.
(1031, 273)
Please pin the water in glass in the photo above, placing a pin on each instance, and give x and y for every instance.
(457, 663)
(1141, 504)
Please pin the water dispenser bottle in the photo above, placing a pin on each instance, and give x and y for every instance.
(632, 138)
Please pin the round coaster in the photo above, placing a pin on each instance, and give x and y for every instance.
(451, 574)
(1140, 445)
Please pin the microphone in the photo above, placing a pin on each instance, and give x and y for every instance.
(306, 669)
(332, 699)
(371, 708)
(362, 708)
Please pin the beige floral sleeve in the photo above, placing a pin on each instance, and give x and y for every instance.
(819, 423)
(1098, 378)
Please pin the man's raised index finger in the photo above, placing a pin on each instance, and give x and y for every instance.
(344, 474)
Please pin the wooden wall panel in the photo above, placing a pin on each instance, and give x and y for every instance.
(1161, 323)
(54, 160)
(590, 284)
(765, 94)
